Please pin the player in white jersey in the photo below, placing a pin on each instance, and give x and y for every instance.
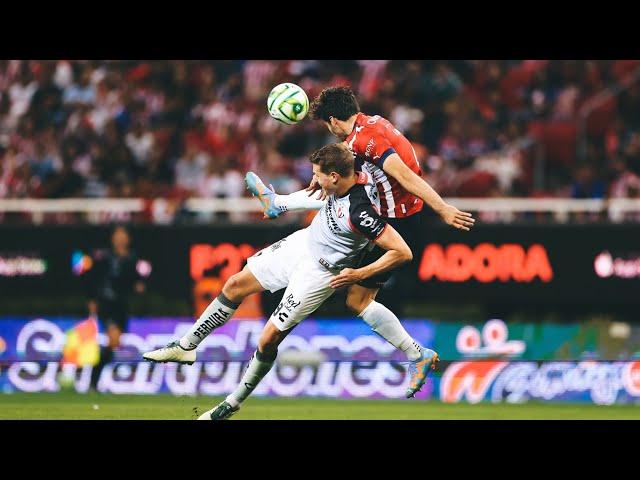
(310, 263)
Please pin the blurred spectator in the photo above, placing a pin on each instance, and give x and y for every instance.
(626, 183)
(191, 168)
(140, 141)
(586, 183)
(166, 128)
(82, 92)
(220, 181)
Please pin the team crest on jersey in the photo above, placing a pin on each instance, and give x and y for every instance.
(340, 212)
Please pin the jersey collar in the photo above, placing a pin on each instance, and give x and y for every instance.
(359, 121)
(361, 179)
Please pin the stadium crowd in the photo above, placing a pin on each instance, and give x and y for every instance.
(181, 129)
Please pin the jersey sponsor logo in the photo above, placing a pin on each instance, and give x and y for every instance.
(215, 320)
(368, 220)
(325, 264)
(277, 245)
(373, 225)
(290, 303)
(332, 224)
(370, 145)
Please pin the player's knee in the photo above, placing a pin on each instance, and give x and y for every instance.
(270, 338)
(357, 301)
(233, 287)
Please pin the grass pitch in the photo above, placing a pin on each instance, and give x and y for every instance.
(73, 406)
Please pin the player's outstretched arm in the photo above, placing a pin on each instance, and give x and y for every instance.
(398, 252)
(394, 166)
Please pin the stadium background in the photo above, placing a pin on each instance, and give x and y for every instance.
(535, 305)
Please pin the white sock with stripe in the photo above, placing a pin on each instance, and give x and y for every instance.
(259, 365)
(214, 316)
(384, 322)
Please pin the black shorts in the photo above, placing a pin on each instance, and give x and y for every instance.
(410, 228)
(113, 313)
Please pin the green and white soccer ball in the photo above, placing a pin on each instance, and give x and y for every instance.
(288, 103)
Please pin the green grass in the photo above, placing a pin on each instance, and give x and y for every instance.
(72, 406)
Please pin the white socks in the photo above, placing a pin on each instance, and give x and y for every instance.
(299, 200)
(258, 367)
(214, 316)
(384, 322)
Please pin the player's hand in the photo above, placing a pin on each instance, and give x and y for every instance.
(346, 277)
(314, 186)
(456, 218)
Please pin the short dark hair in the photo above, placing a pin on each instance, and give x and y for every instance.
(334, 157)
(337, 102)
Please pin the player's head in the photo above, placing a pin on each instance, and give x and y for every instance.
(331, 164)
(335, 106)
(120, 239)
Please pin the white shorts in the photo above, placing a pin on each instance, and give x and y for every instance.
(289, 263)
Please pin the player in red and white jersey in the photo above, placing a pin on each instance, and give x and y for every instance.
(389, 157)
(373, 140)
(386, 152)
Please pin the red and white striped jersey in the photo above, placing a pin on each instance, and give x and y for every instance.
(372, 140)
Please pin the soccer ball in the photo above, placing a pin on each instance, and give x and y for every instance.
(288, 103)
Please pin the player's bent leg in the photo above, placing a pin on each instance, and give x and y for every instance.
(260, 364)
(241, 285)
(361, 301)
(386, 324)
(270, 338)
(359, 297)
(219, 311)
(308, 288)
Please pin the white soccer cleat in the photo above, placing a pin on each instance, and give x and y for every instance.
(171, 353)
